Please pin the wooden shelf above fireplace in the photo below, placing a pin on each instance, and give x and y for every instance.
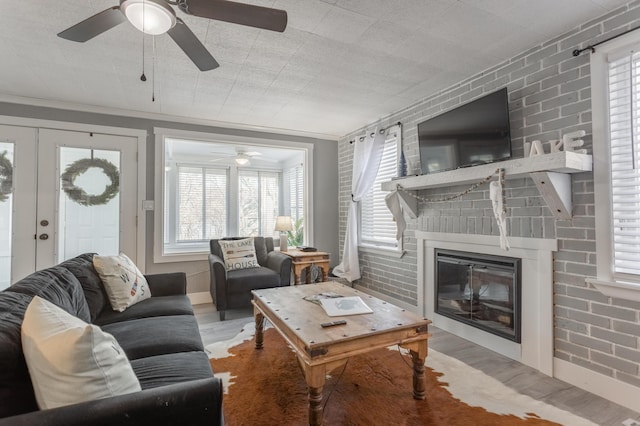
(550, 172)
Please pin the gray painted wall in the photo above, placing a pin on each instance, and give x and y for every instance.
(549, 95)
(325, 179)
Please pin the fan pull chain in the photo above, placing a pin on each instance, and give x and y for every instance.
(153, 71)
(143, 77)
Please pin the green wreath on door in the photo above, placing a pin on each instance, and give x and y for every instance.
(78, 194)
(6, 177)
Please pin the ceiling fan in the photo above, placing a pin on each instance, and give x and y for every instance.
(157, 17)
(241, 157)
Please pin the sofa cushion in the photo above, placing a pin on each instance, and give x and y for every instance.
(167, 369)
(158, 335)
(82, 267)
(245, 280)
(16, 392)
(124, 283)
(71, 361)
(58, 286)
(152, 307)
(239, 254)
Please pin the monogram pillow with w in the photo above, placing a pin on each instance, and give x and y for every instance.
(124, 283)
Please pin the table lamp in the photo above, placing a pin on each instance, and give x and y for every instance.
(283, 224)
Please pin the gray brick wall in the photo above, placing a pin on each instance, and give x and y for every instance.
(549, 95)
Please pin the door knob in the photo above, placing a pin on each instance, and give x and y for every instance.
(44, 236)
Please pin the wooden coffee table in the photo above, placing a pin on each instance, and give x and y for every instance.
(321, 350)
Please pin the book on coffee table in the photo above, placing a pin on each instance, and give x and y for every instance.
(339, 306)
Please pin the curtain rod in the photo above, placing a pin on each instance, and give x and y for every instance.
(592, 47)
(384, 129)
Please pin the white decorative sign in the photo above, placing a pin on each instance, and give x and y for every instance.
(568, 143)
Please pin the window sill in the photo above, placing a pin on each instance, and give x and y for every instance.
(392, 252)
(181, 257)
(619, 290)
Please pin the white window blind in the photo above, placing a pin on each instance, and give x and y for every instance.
(202, 201)
(377, 227)
(295, 180)
(624, 135)
(259, 202)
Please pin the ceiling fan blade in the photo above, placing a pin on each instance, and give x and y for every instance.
(237, 13)
(93, 26)
(189, 43)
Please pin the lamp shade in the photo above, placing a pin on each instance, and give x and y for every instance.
(283, 223)
(149, 16)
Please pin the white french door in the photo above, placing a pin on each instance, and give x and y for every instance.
(73, 192)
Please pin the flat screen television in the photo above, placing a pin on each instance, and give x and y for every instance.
(475, 133)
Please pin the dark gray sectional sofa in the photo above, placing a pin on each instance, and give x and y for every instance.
(159, 335)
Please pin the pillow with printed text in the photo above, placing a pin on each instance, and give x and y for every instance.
(239, 254)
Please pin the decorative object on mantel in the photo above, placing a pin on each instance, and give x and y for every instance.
(402, 161)
(567, 143)
(6, 177)
(79, 195)
(497, 195)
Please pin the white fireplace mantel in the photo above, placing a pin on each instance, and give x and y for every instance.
(550, 172)
(536, 347)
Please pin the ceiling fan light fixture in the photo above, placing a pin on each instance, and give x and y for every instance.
(153, 17)
(242, 161)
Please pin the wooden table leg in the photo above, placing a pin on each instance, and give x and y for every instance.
(419, 379)
(325, 271)
(259, 329)
(315, 377)
(315, 406)
(297, 270)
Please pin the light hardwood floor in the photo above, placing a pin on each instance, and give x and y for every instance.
(517, 376)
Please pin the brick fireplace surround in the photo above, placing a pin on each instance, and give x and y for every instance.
(595, 338)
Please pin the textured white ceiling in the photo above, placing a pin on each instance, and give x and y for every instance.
(339, 65)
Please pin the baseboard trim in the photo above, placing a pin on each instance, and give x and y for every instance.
(606, 387)
(200, 298)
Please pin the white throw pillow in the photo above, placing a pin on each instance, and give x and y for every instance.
(123, 281)
(239, 254)
(71, 361)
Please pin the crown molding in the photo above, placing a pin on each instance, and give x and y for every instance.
(71, 106)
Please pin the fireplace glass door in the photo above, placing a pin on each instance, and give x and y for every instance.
(480, 290)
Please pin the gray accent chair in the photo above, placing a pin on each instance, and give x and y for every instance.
(232, 289)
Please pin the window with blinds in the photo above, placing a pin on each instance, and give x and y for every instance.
(624, 137)
(207, 195)
(258, 197)
(202, 197)
(377, 227)
(294, 179)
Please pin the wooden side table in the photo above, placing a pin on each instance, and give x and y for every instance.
(300, 260)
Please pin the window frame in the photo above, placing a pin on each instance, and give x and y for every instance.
(606, 281)
(159, 184)
(394, 135)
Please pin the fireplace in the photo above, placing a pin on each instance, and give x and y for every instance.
(534, 267)
(480, 290)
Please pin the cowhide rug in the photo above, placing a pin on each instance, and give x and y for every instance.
(266, 387)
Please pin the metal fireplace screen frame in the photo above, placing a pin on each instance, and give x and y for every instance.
(483, 291)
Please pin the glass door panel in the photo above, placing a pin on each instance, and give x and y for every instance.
(89, 202)
(6, 211)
